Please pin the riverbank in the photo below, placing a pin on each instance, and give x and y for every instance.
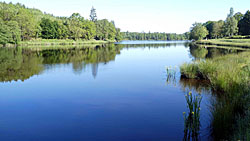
(229, 78)
(224, 73)
(226, 42)
(53, 42)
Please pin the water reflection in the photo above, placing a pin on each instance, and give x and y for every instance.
(209, 51)
(22, 63)
(84, 108)
(18, 64)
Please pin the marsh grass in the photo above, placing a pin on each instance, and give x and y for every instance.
(171, 75)
(229, 77)
(225, 73)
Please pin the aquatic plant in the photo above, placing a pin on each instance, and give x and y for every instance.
(171, 75)
(192, 117)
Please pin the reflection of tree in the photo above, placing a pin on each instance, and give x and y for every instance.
(203, 52)
(200, 86)
(17, 64)
(81, 57)
(198, 52)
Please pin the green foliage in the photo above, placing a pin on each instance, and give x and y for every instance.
(19, 22)
(198, 31)
(231, 24)
(235, 24)
(238, 16)
(105, 30)
(93, 16)
(244, 24)
(5, 35)
(49, 29)
(209, 26)
(27, 23)
(9, 32)
(217, 29)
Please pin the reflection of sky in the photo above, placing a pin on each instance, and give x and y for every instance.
(128, 99)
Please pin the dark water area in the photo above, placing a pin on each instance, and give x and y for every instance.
(107, 92)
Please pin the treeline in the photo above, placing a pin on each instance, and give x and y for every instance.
(18, 23)
(154, 36)
(234, 24)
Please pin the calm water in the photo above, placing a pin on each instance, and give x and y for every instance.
(108, 92)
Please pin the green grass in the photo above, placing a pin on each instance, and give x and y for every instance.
(224, 72)
(61, 42)
(226, 42)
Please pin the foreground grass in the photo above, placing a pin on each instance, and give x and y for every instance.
(226, 42)
(229, 76)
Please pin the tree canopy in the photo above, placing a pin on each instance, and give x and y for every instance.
(198, 31)
(21, 23)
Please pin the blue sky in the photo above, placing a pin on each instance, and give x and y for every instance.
(171, 16)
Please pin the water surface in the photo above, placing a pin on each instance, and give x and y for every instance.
(106, 92)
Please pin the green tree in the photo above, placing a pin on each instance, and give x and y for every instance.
(105, 30)
(231, 24)
(15, 32)
(209, 26)
(49, 29)
(217, 29)
(8, 11)
(198, 31)
(90, 29)
(238, 16)
(244, 24)
(5, 35)
(27, 24)
(93, 16)
(9, 32)
(75, 26)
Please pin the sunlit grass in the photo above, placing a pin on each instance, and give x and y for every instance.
(227, 42)
(51, 42)
(224, 73)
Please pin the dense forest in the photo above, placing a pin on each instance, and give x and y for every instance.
(154, 36)
(235, 24)
(18, 23)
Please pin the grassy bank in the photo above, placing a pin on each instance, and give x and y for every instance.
(226, 42)
(229, 77)
(224, 72)
(54, 42)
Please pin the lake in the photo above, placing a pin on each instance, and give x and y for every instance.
(107, 92)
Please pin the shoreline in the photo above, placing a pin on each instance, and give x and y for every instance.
(56, 42)
(245, 43)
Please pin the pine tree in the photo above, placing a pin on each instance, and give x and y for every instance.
(93, 16)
